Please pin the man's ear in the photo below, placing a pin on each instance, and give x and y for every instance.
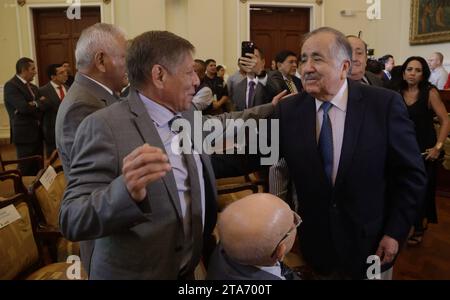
(346, 69)
(99, 60)
(158, 76)
(280, 252)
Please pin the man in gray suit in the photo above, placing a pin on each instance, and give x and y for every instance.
(252, 90)
(147, 207)
(100, 56)
(55, 92)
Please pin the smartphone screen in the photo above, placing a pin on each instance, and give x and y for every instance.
(247, 47)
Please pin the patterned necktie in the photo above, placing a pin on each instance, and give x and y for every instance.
(61, 92)
(326, 141)
(251, 93)
(290, 85)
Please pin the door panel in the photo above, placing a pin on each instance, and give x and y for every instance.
(56, 36)
(278, 28)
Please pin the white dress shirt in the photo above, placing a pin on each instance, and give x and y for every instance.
(439, 77)
(56, 87)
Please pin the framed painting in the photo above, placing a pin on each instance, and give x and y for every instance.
(430, 21)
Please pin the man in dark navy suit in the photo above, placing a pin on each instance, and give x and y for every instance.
(352, 155)
(23, 103)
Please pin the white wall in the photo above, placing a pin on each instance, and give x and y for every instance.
(388, 35)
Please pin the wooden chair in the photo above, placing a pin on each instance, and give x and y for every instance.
(21, 253)
(48, 203)
(11, 165)
(11, 184)
(233, 189)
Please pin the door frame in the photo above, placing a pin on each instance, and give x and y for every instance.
(31, 7)
(313, 10)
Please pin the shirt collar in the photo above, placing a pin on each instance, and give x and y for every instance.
(160, 115)
(274, 270)
(56, 86)
(21, 79)
(340, 100)
(255, 80)
(100, 84)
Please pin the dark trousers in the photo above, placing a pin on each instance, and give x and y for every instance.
(29, 168)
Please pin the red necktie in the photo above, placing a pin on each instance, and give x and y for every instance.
(61, 92)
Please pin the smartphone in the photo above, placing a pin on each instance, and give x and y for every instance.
(247, 47)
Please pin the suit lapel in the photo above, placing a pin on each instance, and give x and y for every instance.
(240, 96)
(353, 120)
(54, 97)
(23, 87)
(150, 136)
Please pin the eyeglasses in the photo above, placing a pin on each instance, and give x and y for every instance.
(297, 222)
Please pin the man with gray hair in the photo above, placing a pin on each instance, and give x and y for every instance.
(438, 75)
(148, 204)
(255, 234)
(100, 58)
(353, 156)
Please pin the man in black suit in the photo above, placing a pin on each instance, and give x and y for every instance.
(354, 161)
(284, 78)
(23, 103)
(54, 92)
(256, 233)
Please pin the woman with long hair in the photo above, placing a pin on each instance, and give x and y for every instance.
(424, 103)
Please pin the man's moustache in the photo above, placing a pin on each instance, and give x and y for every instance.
(311, 77)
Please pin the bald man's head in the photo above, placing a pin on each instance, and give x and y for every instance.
(251, 228)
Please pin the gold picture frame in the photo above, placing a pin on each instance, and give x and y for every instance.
(430, 22)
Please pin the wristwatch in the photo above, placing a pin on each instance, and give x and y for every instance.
(439, 146)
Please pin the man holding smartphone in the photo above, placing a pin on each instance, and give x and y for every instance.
(252, 90)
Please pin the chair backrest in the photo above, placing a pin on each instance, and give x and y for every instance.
(2, 167)
(49, 200)
(10, 184)
(19, 252)
(54, 160)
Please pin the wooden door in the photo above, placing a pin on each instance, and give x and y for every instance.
(277, 28)
(56, 36)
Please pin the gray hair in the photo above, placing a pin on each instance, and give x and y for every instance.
(341, 46)
(155, 47)
(97, 37)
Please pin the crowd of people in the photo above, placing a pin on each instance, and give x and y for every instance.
(357, 168)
